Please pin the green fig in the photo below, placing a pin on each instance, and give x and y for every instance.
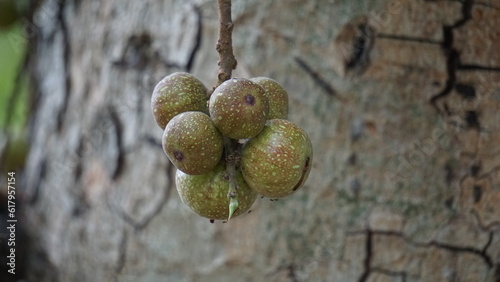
(239, 108)
(192, 142)
(176, 93)
(206, 194)
(276, 95)
(277, 162)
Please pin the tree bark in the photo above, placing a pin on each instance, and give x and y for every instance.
(400, 99)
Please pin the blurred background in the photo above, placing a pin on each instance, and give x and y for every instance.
(14, 101)
(400, 99)
(13, 85)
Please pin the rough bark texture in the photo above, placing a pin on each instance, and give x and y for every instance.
(400, 99)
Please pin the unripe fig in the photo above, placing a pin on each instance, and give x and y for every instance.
(276, 95)
(192, 142)
(176, 93)
(277, 162)
(239, 108)
(206, 194)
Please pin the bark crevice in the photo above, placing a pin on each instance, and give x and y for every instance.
(452, 55)
(368, 256)
(67, 64)
(316, 77)
(197, 39)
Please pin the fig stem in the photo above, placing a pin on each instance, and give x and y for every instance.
(232, 193)
(227, 62)
(233, 206)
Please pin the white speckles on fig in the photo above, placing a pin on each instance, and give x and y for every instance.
(239, 108)
(176, 93)
(275, 156)
(189, 135)
(276, 95)
(263, 166)
(206, 194)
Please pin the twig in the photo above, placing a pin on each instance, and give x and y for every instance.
(227, 63)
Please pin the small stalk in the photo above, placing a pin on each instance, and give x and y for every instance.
(232, 193)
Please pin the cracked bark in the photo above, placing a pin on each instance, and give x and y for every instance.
(120, 159)
(321, 82)
(453, 60)
(198, 38)
(409, 157)
(368, 256)
(143, 222)
(67, 63)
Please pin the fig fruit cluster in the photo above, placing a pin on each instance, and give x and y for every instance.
(273, 156)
